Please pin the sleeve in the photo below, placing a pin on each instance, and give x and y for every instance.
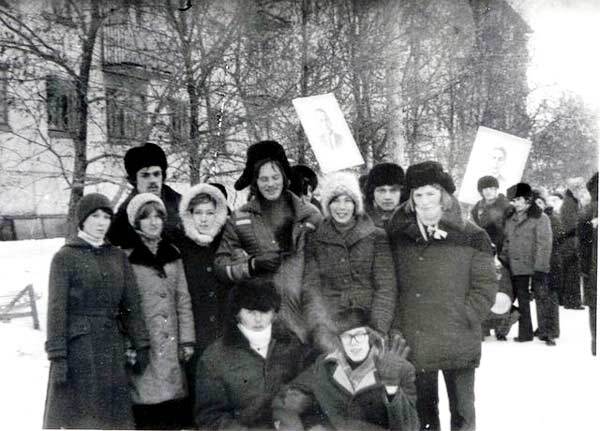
(185, 315)
(58, 298)
(131, 309)
(384, 282)
(484, 285)
(543, 244)
(402, 408)
(231, 260)
(120, 232)
(474, 215)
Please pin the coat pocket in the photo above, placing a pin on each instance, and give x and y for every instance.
(78, 327)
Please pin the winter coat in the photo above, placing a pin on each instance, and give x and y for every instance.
(491, 218)
(446, 288)
(322, 395)
(570, 214)
(247, 234)
(235, 385)
(380, 218)
(167, 310)
(351, 269)
(121, 233)
(527, 242)
(588, 251)
(93, 304)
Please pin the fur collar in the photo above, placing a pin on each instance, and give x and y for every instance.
(203, 238)
(140, 255)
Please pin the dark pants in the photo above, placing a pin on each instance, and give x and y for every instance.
(593, 326)
(546, 307)
(460, 385)
(570, 295)
(521, 288)
(162, 416)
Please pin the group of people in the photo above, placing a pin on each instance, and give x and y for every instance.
(290, 312)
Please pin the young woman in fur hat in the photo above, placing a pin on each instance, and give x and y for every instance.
(348, 262)
(446, 287)
(159, 392)
(93, 306)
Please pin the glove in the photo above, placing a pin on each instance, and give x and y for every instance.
(142, 359)
(186, 353)
(59, 370)
(391, 362)
(268, 262)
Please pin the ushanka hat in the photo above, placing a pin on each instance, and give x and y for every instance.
(144, 156)
(257, 294)
(428, 173)
(487, 182)
(383, 174)
(519, 190)
(138, 201)
(302, 177)
(90, 203)
(258, 154)
(341, 183)
(351, 318)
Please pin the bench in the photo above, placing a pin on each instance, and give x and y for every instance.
(20, 304)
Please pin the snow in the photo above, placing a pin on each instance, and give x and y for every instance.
(519, 386)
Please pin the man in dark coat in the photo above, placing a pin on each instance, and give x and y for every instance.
(383, 190)
(488, 213)
(588, 236)
(146, 168)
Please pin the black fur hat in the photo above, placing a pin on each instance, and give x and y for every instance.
(90, 203)
(381, 175)
(261, 152)
(351, 318)
(302, 177)
(146, 155)
(486, 182)
(427, 173)
(519, 190)
(256, 294)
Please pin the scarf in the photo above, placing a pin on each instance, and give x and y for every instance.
(259, 340)
(92, 240)
(431, 231)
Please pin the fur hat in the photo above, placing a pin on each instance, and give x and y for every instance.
(592, 186)
(381, 175)
(260, 152)
(144, 156)
(302, 177)
(90, 203)
(138, 202)
(487, 182)
(341, 183)
(428, 173)
(519, 190)
(351, 318)
(254, 294)
(192, 232)
(221, 187)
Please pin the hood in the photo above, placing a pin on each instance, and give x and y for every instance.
(203, 238)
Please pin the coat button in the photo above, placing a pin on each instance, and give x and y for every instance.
(342, 260)
(421, 258)
(418, 295)
(209, 269)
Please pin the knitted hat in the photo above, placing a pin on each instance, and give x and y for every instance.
(261, 152)
(302, 177)
(144, 156)
(341, 183)
(383, 174)
(89, 204)
(428, 173)
(519, 190)
(257, 294)
(487, 182)
(138, 202)
(203, 238)
(351, 318)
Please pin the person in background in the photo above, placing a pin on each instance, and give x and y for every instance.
(489, 212)
(526, 252)
(160, 392)
(146, 168)
(303, 184)
(241, 372)
(446, 288)
(383, 190)
(93, 307)
(363, 385)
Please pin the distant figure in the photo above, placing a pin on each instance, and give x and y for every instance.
(328, 138)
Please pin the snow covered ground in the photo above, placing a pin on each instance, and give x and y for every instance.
(519, 386)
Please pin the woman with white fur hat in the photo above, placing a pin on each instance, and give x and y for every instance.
(348, 263)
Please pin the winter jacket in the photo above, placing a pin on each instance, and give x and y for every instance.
(491, 218)
(527, 242)
(570, 214)
(247, 234)
(446, 288)
(322, 395)
(235, 385)
(351, 269)
(93, 304)
(380, 218)
(167, 310)
(588, 251)
(122, 234)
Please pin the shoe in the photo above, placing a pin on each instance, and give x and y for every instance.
(501, 337)
(522, 340)
(550, 342)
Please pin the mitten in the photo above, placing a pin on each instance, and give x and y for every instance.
(142, 359)
(391, 363)
(268, 262)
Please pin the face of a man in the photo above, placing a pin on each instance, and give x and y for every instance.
(497, 160)
(520, 204)
(489, 193)
(149, 180)
(356, 343)
(255, 320)
(387, 197)
(270, 181)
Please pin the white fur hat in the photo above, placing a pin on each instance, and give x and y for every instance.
(203, 238)
(138, 201)
(341, 183)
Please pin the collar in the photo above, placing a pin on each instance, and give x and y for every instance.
(93, 241)
(355, 380)
(363, 227)
(166, 253)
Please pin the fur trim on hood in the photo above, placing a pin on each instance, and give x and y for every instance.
(341, 183)
(203, 238)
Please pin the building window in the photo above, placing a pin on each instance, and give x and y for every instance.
(3, 96)
(61, 104)
(125, 115)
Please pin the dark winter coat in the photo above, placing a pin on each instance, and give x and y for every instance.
(351, 269)
(446, 288)
(588, 251)
(570, 214)
(235, 385)
(380, 218)
(93, 304)
(558, 236)
(325, 396)
(121, 233)
(491, 218)
(247, 234)
(527, 242)
(167, 310)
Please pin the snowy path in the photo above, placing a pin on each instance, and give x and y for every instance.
(519, 386)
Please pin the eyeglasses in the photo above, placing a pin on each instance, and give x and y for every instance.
(357, 338)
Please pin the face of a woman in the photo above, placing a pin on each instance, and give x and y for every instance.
(203, 215)
(97, 223)
(152, 224)
(270, 181)
(255, 320)
(342, 208)
(356, 343)
(428, 203)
